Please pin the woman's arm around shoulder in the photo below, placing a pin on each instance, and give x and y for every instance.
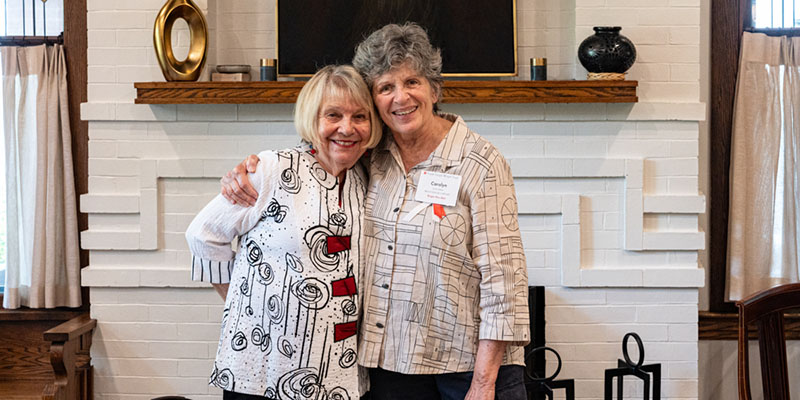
(213, 229)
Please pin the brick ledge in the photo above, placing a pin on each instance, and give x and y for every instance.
(105, 276)
(668, 277)
(642, 111)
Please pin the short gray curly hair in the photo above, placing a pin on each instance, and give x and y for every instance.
(394, 45)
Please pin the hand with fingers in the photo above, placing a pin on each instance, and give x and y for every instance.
(236, 187)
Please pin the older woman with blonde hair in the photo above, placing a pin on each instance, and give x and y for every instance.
(445, 282)
(291, 290)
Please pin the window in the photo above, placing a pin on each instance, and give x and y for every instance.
(775, 14)
(31, 17)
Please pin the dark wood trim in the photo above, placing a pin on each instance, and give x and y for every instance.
(745, 16)
(71, 329)
(724, 326)
(717, 326)
(776, 31)
(40, 314)
(452, 92)
(727, 21)
(30, 40)
(75, 45)
(540, 92)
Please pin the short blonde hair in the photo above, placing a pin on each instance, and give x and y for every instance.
(337, 82)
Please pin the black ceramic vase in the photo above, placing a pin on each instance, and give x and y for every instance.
(607, 51)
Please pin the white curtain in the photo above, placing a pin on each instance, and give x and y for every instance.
(43, 267)
(764, 198)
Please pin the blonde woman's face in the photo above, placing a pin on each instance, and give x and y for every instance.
(344, 131)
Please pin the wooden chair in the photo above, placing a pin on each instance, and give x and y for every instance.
(766, 309)
(39, 360)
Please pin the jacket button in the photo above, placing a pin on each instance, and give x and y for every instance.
(379, 325)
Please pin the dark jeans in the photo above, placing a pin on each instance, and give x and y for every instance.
(226, 395)
(387, 385)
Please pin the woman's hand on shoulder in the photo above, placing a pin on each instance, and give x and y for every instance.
(236, 187)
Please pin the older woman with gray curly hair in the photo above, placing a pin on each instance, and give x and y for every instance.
(444, 311)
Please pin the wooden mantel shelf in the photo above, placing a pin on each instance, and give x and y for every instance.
(453, 92)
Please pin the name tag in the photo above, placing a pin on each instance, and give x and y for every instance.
(438, 188)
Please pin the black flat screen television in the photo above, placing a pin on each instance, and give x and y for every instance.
(476, 37)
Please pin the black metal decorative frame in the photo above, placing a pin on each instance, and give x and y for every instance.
(537, 386)
(638, 370)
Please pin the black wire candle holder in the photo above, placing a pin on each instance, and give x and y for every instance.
(627, 367)
(537, 386)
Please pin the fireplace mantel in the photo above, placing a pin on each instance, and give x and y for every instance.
(453, 92)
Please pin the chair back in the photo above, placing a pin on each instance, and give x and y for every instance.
(766, 309)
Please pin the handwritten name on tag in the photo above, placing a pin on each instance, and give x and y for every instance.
(438, 188)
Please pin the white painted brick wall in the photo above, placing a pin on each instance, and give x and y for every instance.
(592, 179)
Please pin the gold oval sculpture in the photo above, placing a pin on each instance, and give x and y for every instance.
(190, 68)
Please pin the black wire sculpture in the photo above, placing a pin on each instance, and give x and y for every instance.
(537, 386)
(627, 367)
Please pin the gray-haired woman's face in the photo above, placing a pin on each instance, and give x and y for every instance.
(404, 99)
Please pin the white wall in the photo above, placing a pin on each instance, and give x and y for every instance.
(608, 193)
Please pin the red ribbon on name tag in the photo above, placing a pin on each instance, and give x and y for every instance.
(338, 243)
(344, 330)
(344, 287)
(438, 210)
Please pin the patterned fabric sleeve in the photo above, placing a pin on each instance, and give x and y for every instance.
(498, 254)
(213, 229)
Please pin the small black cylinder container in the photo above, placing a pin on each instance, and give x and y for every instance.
(268, 71)
(538, 69)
